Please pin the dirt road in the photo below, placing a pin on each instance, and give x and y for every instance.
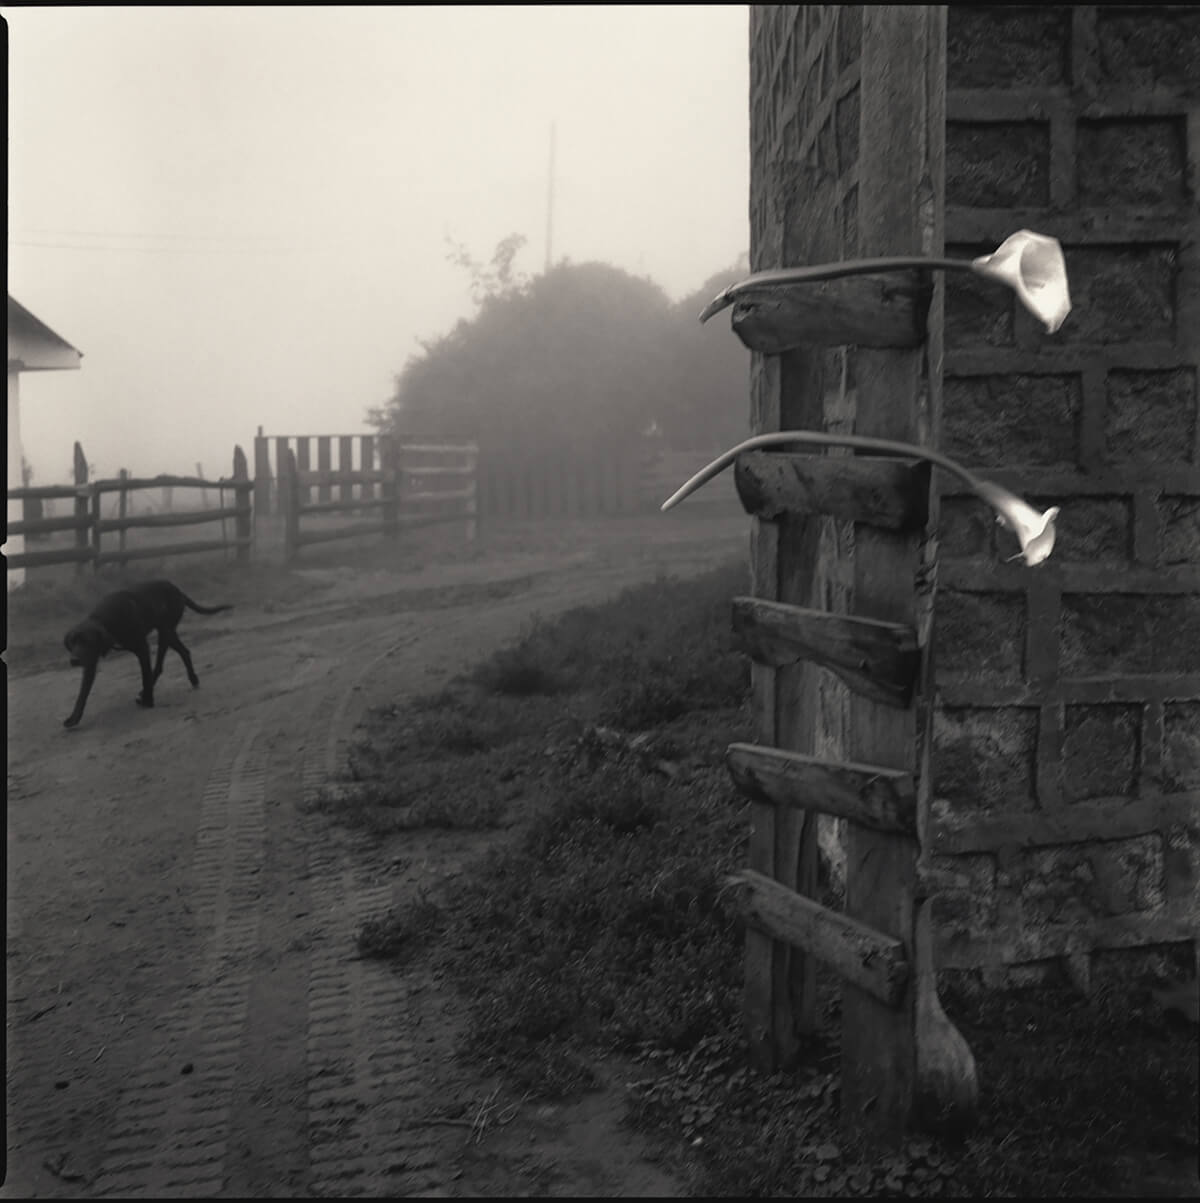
(186, 1011)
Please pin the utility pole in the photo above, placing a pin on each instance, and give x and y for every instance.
(550, 202)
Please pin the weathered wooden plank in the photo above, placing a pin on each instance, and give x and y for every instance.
(874, 962)
(43, 526)
(173, 549)
(343, 532)
(900, 210)
(175, 518)
(334, 507)
(60, 555)
(882, 799)
(868, 311)
(876, 490)
(878, 660)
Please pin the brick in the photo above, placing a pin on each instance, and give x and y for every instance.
(1144, 47)
(973, 908)
(980, 633)
(1075, 884)
(1004, 47)
(998, 164)
(1181, 746)
(984, 757)
(978, 312)
(1100, 751)
(1180, 520)
(1105, 634)
(1120, 294)
(1150, 417)
(1134, 161)
(994, 421)
(1090, 529)
(966, 528)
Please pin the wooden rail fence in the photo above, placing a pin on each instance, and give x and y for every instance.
(419, 484)
(90, 527)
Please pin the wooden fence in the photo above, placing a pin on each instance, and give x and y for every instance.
(90, 527)
(839, 624)
(418, 485)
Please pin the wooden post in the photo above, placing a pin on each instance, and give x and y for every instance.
(81, 504)
(122, 509)
(345, 466)
(366, 451)
(393, 485)
(472, 503)
(243, 525)
(323, 464)
(262, 476)
(303, 465)
(96, 517)
(290, 493)
(900, 209)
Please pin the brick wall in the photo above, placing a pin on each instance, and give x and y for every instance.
(1067, 769)
(1068, 733)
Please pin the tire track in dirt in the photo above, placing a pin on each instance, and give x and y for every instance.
(172, 1126)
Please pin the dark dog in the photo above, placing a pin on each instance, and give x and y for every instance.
(123, 620)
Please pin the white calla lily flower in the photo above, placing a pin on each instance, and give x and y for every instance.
(1033, 529)
(1030, 264)
(1033, 266)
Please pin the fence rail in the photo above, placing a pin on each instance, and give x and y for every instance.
(408, 481)
(90, 527)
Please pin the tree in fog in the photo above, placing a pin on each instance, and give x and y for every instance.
(582, 358)
(708, 406)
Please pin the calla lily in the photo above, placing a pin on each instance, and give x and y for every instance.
(1034, 530)
(1033, 266)
(1030, 264)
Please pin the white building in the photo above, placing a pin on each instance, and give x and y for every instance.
(32, 347)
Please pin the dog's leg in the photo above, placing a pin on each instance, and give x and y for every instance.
(163, 644)
(173, 640)
(85, 687)
(142, 651)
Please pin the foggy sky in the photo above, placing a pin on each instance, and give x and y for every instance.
(238, 214)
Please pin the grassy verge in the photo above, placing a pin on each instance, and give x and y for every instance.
(596, 927)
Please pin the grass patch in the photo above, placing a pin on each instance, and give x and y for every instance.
(597, 926)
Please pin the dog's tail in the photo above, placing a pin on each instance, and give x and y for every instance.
(191, 605)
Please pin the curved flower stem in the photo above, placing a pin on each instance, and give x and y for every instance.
(831, 271)
(863, 442)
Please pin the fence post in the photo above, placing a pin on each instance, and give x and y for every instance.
(243, 524)
(81, 504)
(122, 510)
(366, 445)
(323, 489)
(262, 476)
(472, 502)
(95, 520)
(393, 485)
(901, 188)
(290, 491)
(345, 466)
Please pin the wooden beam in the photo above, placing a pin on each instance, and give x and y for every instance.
(877, 490)
(875, 963)
(887, 310)
(901, 196)
(882, 799)
(878, 660)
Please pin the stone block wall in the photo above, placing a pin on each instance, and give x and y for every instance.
(1067, 733)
